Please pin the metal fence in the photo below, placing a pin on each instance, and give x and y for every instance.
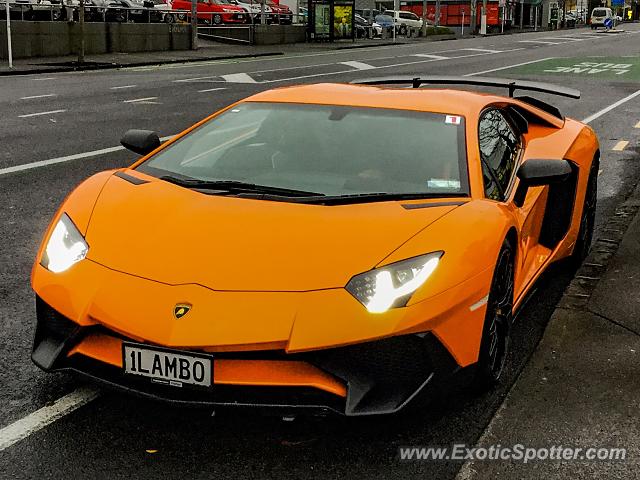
(100, 11)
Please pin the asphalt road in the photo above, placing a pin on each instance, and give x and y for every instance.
(55, 116)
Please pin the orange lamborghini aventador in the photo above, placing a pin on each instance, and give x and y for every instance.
(330, 246)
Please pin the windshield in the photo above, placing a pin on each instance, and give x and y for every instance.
(384, 19)
(330, 150)
(599, 13)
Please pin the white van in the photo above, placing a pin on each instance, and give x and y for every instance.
(599, 15)
(404, 20)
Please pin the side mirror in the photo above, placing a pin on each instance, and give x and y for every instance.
(536, 173)
(140, 141)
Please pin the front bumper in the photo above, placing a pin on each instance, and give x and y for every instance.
(375, 377)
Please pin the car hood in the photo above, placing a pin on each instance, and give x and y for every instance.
(173, 235)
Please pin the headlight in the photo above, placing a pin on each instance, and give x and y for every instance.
(392, 286)
(65, 246)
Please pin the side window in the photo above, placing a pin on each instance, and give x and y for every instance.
(499, 149)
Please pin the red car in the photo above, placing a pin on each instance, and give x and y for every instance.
(281, 13)
(211, 11)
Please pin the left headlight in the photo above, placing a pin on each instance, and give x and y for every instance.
(65, 246)
(391, 286)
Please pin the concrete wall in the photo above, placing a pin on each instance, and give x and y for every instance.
(262, 35)
(50, 39)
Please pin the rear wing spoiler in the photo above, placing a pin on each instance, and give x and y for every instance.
(511, 85)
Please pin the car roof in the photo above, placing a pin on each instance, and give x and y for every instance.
(449, 101)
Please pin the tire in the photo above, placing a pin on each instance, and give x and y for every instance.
(588, 218)
(402, 31)
(182, 17)
(217, 19)
(169, 18)
(56, 15)
(494, 344)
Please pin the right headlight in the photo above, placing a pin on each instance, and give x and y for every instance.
(391, 286)
(66, 246)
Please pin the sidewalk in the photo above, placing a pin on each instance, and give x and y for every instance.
(581, 387)
(208, 51)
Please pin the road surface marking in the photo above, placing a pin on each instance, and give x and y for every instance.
(427, 55)
(600, 172)
(562, 38)
(123, 86)
(146, 99)
(68, 158)
(637, 125)
(211, 89)
(540, 41)
(38, 96)
(482, 50)
(507, 67)
(238, 78)
(43, 79)
(596, 115)
(620, 146)
(358, 65)
(39, 419)
(197, 79)
(51, 112)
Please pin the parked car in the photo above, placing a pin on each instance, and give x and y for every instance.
(404, 21)
(385, 23)
(599, 16)
(369, 14)
(36, 9)
(362, 27)
(570, 20)
(281, 13)
(163, 9)
(254, 10)
(211, 12)
(303, 15)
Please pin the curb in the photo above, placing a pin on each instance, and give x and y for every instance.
(577, 294)
(89, 66)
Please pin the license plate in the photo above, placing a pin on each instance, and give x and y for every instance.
(167, 367)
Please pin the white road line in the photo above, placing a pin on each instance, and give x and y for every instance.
(197, 79)
(434, 57)
(482, 50)
(68, 158)
(596, 115)
(39, 419)
(541, 41)
(637, 125)
(122, 87)
(620, 146)
(211, 89)
(561, 38)
(507, 67)
(38, 96)
(51, 112)
(238, 78)
(358, 65)
(43, 79)
(146, 99)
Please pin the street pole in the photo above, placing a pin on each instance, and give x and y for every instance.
(81, 20)
(424, 18)
(194, 25)
(473, 16)
(503, 12)
(9, 50)
(396, 7)
(483, 18)
(521, 13)
(437, 19)
(462, 33)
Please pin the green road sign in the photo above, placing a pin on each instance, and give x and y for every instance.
(619, 68)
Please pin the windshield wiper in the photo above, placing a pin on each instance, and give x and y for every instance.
(235, 186)
(377, 197)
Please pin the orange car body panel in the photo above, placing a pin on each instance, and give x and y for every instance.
(273, 273)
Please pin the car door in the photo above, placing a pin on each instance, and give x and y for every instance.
(501, 151)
